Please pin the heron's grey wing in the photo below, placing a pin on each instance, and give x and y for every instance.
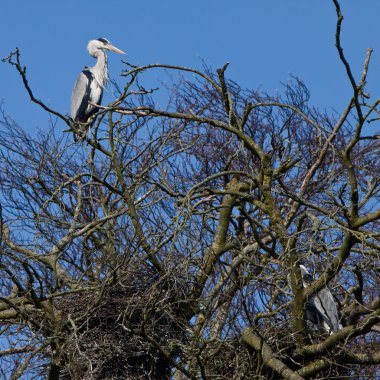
(81, 96)
(313, 315)
(326, 305)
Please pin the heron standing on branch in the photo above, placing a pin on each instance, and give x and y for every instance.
(88, 90)
(321, 309)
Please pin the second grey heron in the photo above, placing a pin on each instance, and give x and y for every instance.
(321, 309)
(88, 89)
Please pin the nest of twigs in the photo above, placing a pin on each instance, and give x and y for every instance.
(135, 328)
(122, 331)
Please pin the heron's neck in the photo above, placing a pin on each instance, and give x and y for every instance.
(100, 70)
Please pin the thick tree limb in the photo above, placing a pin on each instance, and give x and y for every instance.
(269, 358)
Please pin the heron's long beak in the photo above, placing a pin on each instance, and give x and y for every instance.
(115, 49)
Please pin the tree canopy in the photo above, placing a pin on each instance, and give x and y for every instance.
(166, 241)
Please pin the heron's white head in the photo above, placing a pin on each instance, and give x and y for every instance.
(94, 47)
(306, 276)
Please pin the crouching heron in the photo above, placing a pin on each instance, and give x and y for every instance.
(321, 308)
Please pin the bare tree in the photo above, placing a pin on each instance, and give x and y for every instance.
(167, 242)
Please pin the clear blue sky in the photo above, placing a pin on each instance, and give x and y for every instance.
(265, 42)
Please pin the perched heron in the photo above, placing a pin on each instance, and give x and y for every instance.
(88, 89)
(321, 309)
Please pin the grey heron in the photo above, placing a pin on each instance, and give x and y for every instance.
(88, 89)
(321, 309)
